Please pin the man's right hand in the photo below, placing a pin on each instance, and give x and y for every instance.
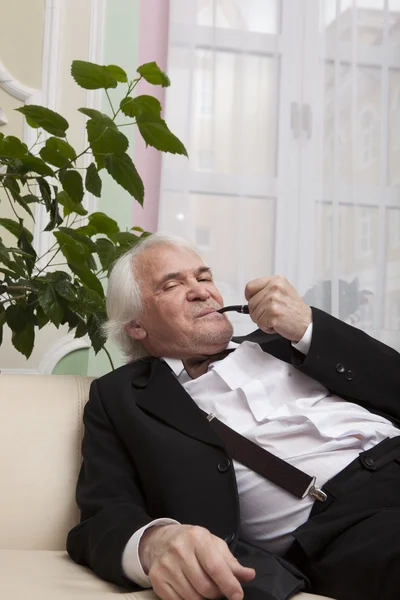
(189, 562)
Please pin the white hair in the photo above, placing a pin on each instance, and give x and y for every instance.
(124, 294)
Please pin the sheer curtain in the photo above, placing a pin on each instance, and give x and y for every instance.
(290, 110)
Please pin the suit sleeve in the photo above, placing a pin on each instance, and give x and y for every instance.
(108, 495)
(353, 365)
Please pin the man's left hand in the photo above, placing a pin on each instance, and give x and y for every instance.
(276, 307)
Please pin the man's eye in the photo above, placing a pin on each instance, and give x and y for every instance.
(170, 286)
(205, 279)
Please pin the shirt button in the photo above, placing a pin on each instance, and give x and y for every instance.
(349, 375)
(340, 368)
(229, 538)
(224, 465)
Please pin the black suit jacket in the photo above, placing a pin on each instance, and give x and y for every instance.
(148, 450)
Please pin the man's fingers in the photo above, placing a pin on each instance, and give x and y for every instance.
(242, 573)
(218, 566)
(165, 591)
(201, 581)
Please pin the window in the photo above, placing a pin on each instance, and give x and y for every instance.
(368, 136)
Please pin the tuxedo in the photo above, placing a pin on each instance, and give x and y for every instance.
(149, 452)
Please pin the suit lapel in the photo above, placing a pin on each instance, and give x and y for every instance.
(158, 392)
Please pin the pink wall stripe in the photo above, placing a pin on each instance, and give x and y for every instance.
(153, 45)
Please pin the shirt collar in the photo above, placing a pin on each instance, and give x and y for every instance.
(176, 364)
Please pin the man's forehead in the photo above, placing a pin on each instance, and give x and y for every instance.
(159, 261)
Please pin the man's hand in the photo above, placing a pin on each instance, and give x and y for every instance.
(189, 562)
(276, 307)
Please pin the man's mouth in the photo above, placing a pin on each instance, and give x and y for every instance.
(207, 312)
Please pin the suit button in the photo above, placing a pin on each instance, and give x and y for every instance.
(349, 375)
(340, 368)
(224, 465)
(229, 538)
(369, 462)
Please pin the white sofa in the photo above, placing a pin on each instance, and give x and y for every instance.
(40, 437)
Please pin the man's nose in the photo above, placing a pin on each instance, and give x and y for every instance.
(197, 291)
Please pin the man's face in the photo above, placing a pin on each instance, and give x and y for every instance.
(179, 303)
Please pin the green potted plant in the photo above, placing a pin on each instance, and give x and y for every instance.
(64, 285)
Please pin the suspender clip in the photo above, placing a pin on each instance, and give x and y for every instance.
(317, 493)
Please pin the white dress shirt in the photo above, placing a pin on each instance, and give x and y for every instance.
(291, 415)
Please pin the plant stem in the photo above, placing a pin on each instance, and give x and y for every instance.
(45, 267)
(126, 124)
(109, 358)
(11, 299)
(109, 100)
(11, 204)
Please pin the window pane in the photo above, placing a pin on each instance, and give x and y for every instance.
(357, 131)
(245, 15)
(356, 251)
(394, 128)
(225, 229)
(392, 291)
(234, 124)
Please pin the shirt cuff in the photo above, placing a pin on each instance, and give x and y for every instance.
(304, 344)
(131, 564)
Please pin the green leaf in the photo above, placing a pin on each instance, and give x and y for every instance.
(93, 181)
(12, 147)
(45, 118)
(50, 303)
(12, 185)
(2, 320)
(87, 278)
(62, 147)
(45, 192)
(87, 230)
(155, 133)
(79, 237)
(105, 252)
(118, 73)
(53, 157)
(72, 183)
(91, 76)
(103, 223)
(122, 169)
(24, 340)
(89, 301)
(41, 318)
(15, 228)
(133, 107)
(98, 117)
(105, 140)
(27, 248)
(55, 217)
(21, 200)
(125, 239)
(69, 205)
(94, 330)
(74, 251)
(37, 165)
(152, 73)
(16, 317)
(30, 199)
(57, 152)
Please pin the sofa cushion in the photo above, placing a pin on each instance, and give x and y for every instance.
(40, 455)
(52, 575)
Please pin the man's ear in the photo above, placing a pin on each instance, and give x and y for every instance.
(135, 330)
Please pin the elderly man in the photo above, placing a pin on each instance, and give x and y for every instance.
(162, 502)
